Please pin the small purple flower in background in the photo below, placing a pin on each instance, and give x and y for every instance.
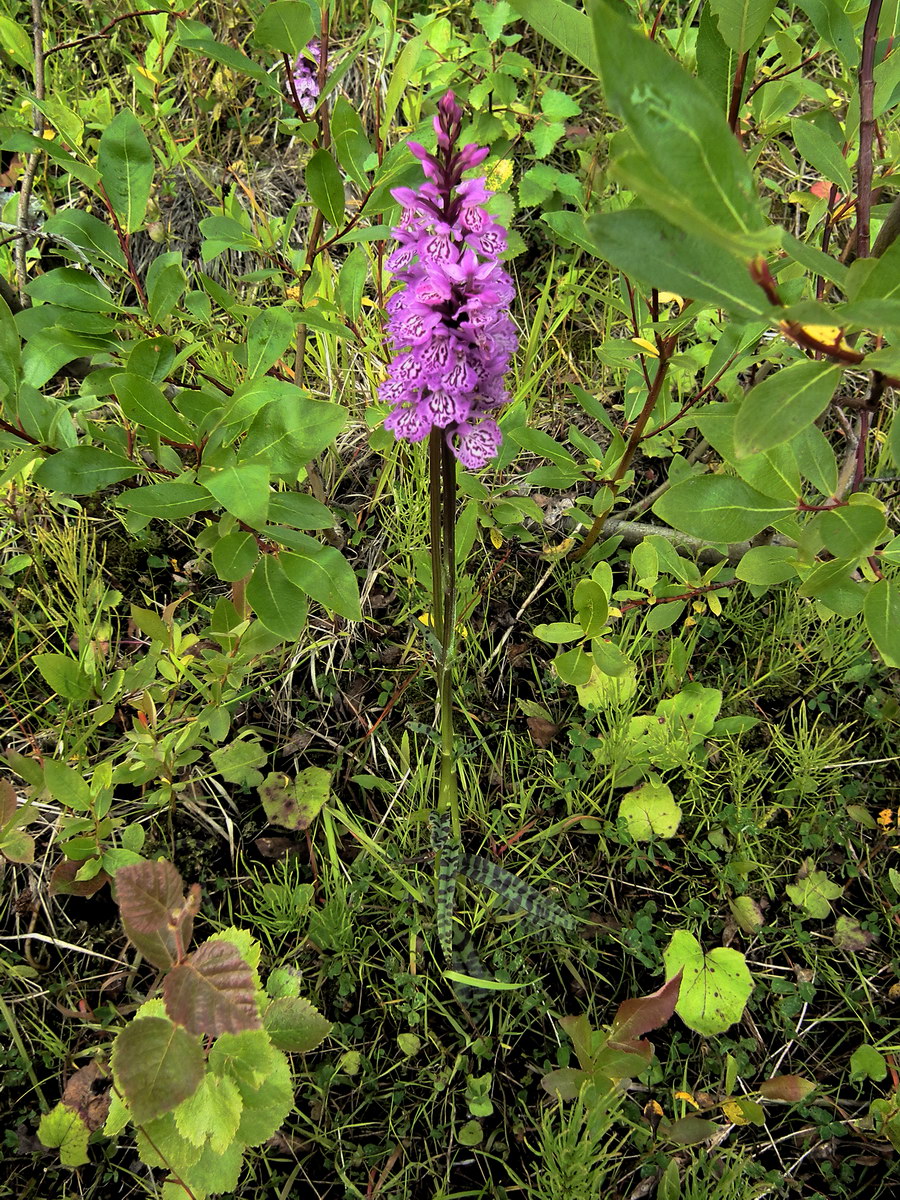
(449, 325)
(306, 77)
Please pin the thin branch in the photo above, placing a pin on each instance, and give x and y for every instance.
(92, 37)
(866, 128)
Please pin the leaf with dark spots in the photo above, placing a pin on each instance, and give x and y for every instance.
(295, 804)
(213, 991)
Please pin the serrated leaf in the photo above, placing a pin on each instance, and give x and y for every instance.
(715, 987)
(156, 1065)
(212, 992)
(63, 1129)
(212, 1114)
(295, 1025)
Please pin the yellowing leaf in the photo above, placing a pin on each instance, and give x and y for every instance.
(671, 298)
(496, 538)
(645, 345)
(734, 1113)
(688, 1097)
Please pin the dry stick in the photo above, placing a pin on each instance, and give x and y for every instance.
(92, 37)
(32, 160)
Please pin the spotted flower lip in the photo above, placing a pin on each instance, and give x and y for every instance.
(449, 325)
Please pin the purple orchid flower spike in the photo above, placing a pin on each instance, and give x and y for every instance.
(306, 77)
(449, 325)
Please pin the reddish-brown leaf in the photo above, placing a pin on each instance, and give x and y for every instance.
(150, 895)
(638, 1016)
(213, 991)
(8, 803)
(64, 883)
(789, 1088)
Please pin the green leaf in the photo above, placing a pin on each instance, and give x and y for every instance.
(238, 762)
(300, 511)
(352, 282)
(853, 530)
(82, 470)
(156, 1065)
(326, 187)
(295, 1025)
(883, 281)
(349, 141)
(64, 675)
(741, 22)
(814, 892)
(573, 666)
(719, 508)
(197, 37)
(285, 25)
(145, 404)
(324, 574)
(70, 287)
(833, 27)
(822, 153)
(564, 27)
(401, 74)
(125, 163)
(90, 233)
(648, 247)
(28, 143)
(715, 987)
(212, 1114)
(767, 565)
(290, 430)
(650, 811)
(678, 155)
(243, 491)
(63, 1129)
(234, 555)
(268, 336)
(882, 615)
(67, 785)
(865, 1063)
(780, 407)
(169, 501)
(165, 284)
(592, 606)
(279, 604)
(559, 632)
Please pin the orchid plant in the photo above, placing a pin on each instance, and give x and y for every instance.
(452, 339)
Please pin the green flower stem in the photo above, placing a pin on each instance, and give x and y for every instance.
(442, 481)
